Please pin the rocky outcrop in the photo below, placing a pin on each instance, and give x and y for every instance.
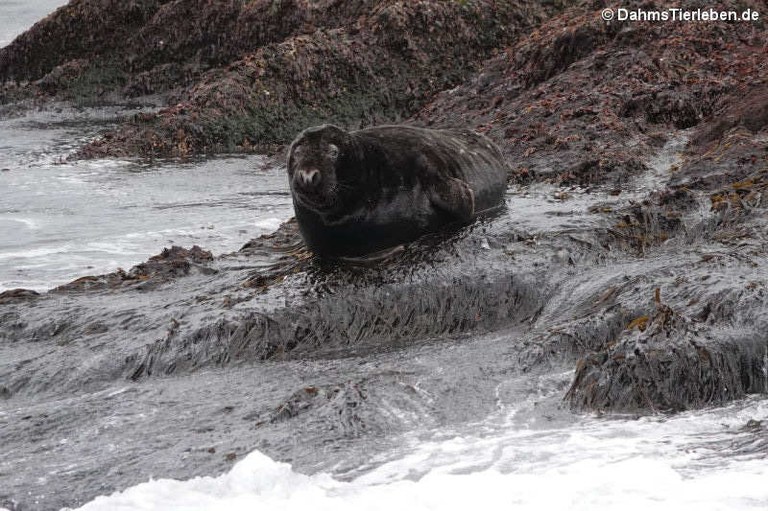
(631, 254)
(578, 103)
(248, 75)
(153, 46)
(597, 98)
(381, 68)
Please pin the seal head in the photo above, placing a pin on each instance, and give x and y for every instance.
(315, 168)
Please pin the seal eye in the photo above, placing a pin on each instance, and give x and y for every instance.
(295, 153)
(333, 151)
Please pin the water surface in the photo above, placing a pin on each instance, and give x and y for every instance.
(60, 220)
(18, 15)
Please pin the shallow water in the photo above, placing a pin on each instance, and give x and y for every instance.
(61, 220)
(18, 15)
(685, 462)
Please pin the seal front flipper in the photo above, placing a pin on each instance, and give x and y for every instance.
(455, 197)
(374, 258)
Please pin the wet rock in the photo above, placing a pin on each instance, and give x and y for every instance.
(672, 364)
(467, 321)
(341, 405)
(342, 321)
(382, 69)
(17, 295)
(62, 75)
(586, 101)
(171, 262)
(652, 221)
(750, 111)
(78, 30)
(247, 76)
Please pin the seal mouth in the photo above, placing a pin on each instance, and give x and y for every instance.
(315, 202)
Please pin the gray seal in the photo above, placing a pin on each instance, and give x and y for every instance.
(360, 192)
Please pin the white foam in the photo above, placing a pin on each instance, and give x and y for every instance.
(258, 482)
(269, 224)
(642, 464)
(26, 222)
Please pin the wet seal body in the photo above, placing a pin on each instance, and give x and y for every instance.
(364, 191)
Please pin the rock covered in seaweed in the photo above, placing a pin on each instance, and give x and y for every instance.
(670, 362)
(576, 102)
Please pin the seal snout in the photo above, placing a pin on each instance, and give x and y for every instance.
(308, 179)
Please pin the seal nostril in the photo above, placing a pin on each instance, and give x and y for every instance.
(309, 178)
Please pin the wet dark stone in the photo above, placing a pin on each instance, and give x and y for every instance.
(672, 364)
(17, 295)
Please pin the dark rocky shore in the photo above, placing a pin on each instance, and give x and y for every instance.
(633, 251)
